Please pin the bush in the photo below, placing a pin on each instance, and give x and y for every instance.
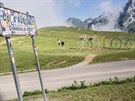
(82, 85)
(30, 93)
(36, 92)
(75, 86)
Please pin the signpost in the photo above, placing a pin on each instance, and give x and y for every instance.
(15, 23)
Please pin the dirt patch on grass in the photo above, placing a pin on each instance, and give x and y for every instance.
(64, 61)
(52, 62)
(88, 59)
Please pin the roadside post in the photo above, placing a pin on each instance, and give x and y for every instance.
(38, 68)
(13, 65)
(15, 23)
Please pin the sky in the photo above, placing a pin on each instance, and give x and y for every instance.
(56, 12)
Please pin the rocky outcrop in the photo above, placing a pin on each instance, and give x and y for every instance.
(127, 17)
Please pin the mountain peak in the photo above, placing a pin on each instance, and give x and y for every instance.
(127, 17)
(124, 20)
(73, 18)
(75, 22)
(89, 20)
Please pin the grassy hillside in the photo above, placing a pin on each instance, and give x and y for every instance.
(51, 56)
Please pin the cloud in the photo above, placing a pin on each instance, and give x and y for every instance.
(47, 12)
(111, 11)
(75, 3)
(109, 6)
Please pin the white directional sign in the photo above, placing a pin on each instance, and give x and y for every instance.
(14, 23)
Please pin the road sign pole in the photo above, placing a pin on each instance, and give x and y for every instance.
(38, 68)
(13, 65)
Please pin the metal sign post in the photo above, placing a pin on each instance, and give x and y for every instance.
(13, 65)
(15, 23)
(38, 68)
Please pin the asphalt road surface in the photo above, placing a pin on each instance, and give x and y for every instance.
(54, 79)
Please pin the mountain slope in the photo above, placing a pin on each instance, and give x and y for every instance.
(74, 22)
(127, 17)
(124, 20)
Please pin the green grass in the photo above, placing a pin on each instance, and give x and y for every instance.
(124, 92)
(102, 93)
(1, 39)
(115, 56)
(115, 92)
(51, 56)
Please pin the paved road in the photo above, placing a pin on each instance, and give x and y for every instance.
(54, 79)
